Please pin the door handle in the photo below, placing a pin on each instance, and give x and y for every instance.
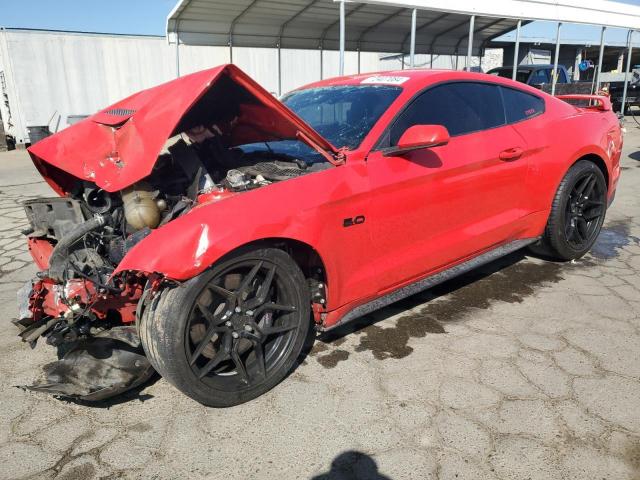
(511, 154)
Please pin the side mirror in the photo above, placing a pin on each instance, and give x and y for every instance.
(418, 137)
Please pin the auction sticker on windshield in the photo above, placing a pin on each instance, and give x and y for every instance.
(389, 80)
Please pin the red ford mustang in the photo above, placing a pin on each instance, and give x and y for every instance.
(204, 228)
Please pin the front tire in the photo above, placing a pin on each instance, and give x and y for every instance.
(233, 332)
(577, 213)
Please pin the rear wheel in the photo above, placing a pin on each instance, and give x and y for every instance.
(577, 212)
(232, 333)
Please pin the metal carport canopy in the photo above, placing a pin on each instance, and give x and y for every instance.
(314, 24)
(602, 13)
(378, 25)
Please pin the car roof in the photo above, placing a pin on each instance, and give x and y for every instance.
(414, 79)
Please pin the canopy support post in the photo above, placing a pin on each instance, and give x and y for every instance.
(321, 63)
(279, 72)
(472, 22)
(177, 54)
(576, 65)
(412, 48)
(600, 59)
(342, 34)
(555, 60)
(358, 61)
(516, 51)
(626, 71)
(431, 61)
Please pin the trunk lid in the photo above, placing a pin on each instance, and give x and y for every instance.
(119, 145)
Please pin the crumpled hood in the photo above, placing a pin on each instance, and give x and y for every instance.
(119, 145)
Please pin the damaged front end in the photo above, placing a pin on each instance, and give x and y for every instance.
(73, 304)
(122, 173)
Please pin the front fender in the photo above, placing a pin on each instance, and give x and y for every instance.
(310, 209)
(190, 244)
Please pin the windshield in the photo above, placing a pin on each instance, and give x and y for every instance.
(521, 76)
(345, 114)
(342, 114)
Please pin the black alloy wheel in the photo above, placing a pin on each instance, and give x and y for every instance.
(584, 212)
(577, 213)
(233, 332)
(238, 329)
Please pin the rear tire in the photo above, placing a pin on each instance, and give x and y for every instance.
(233, 332)
(577, 213)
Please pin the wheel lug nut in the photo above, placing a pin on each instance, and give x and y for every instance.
(249, 312)
(228, 324)
(238, 309)
(235, 334)
(248, 328)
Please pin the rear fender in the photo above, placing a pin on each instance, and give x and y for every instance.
(597, 133)
(608, 158)
(559, 174)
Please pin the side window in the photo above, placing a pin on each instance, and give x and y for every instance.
(519, 105)
(463, 107)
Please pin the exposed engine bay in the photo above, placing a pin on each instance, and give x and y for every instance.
(74, 304)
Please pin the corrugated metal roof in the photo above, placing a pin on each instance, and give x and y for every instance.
(312, 24)
(590, 12)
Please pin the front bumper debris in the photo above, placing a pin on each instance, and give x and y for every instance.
(96, 368)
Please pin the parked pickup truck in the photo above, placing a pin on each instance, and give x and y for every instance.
(633, 92)
(534, 75)
(539, 76)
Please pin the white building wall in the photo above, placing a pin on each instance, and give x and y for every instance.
(51, 75)
(492, 58)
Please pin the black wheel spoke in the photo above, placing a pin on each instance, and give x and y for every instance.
(278, 329)
(263, 290)
(213, 320)
(237, 361)
(582, 229)
(258, 351)
(219, 357)
(583, 185)
(571, 230)
(221, 291)
(592, 214)
(274, 307)
(211, 331)
(591, 202)
(589, 188)
(246, 281)
(277, 306)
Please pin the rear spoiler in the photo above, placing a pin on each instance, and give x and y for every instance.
(598, 102)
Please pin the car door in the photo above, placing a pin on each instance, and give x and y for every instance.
(525, 113)
(435, 206)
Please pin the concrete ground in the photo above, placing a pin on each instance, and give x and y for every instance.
(523, 370)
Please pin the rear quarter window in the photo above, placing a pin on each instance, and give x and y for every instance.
(519, 105)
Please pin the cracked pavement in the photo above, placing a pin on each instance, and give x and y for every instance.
(524, 369)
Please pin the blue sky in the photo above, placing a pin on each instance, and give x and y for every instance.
(148, 17)
(145, 17)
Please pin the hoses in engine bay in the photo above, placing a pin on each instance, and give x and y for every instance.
(58, 262)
